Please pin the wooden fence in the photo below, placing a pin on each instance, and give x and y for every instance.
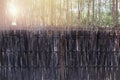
(60, 55)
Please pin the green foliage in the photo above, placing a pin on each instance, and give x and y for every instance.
(107, 19)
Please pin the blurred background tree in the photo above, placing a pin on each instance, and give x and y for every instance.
(82, 13)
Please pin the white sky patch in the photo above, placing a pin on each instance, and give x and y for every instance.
(14, 24)
(75, 10)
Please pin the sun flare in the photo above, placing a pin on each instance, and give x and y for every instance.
(13, 10)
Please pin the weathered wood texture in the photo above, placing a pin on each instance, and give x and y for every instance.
(60, 55)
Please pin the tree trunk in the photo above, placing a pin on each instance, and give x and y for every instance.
(93, 9)
(88, 13)
(115, 12)
(67, 13)
(99, 12)
(78, 13)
